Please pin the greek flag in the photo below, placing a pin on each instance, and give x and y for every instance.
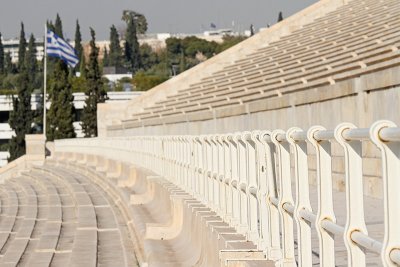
(57, 47)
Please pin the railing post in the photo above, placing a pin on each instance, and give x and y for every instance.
(354, 194)
(163, 156)
(261, 191)
(227, 177)
(390, 152)
(187, 161)
(214, 174)
(325, 197)
(178, 160)
(199, 167)
(252, 188)
(242, 186)
(302, 202)
(208, 172)
(235, 180)
(171, 160)
(285, 198)
(179, 154)
(191, 164)
(204, 178)
(274, 250)
(221, 175)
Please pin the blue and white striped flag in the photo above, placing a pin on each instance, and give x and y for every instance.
(57, 47)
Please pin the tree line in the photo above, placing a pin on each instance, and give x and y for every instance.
(25, 79)
(148, 67)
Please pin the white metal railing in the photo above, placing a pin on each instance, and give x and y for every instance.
(246, 179)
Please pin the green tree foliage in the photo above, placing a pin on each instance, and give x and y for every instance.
(9, 83)
(182, 63)
(132, 55)
(191, 46)
(106, 58)
(58, 29)
(144, 82)
(82, 69)
(280, 17)
(50, 25)
(162, 67)
(35, 79)
(229, 41)
(30, 61)
(9, 65)
(140, 20)
(174, 45)
(21, 47)
(115, 55)
(181, 53)
(148, 57)
(78, 44)
(21, 117)
(2, 68)
(78, 84)
(94, 91)
(60, 115)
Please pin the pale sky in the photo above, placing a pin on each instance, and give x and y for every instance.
(173, 16)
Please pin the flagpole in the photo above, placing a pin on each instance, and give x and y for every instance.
(45, 81)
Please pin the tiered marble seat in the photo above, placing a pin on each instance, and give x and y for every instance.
(159, 214)
(51, 216)
(356, 39)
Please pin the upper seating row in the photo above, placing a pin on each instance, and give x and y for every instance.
(358, 38)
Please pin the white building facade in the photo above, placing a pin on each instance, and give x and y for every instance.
(12, 47)
(79, 100)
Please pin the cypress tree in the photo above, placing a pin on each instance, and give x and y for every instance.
(30, 59)
(61, 114)
(132, 54)
(106, 58)
(60, 117)
(21, 47)
(50, 25)
(82, 69)
(95, 92)
(58, 27)
(21, 117)
(8, 65)
(78, 44)
(31, 66)
(2, 69)
(115, 55)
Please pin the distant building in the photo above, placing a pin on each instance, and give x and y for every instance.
(155, 41)
(12, 46)
(220, 32)
(6, 107)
